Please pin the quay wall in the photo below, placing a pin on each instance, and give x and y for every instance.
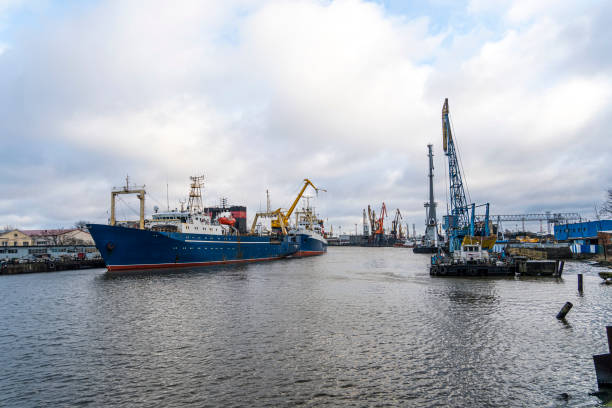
(36, 267)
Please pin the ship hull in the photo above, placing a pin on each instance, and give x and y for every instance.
(424, 250)
(311, 244)
(128, 248)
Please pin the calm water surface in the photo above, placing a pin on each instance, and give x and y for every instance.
(356, 327)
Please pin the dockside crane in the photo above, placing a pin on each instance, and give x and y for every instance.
(280, 219)
(396, 225)
(459, 223)
(282, 222)
(372, 219)
(379, 223)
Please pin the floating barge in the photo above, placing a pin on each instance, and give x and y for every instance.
(525, 268)
(473, 261)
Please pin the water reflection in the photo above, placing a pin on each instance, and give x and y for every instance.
(359, 326)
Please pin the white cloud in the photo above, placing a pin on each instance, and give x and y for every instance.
(262, 94)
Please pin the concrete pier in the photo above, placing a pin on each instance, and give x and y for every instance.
(36, 267)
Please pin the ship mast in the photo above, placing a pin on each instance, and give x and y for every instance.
(195, 195)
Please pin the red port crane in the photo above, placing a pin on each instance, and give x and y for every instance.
(380, 222)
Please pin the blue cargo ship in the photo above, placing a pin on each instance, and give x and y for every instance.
(196, 237)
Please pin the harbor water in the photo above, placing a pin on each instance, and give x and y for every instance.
(355, 327)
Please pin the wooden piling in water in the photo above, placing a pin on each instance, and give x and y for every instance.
(603, 363)
(564, 310)
(580, 282)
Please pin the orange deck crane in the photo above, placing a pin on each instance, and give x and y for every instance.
(380, 229)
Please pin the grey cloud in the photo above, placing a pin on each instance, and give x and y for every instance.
(109, 92)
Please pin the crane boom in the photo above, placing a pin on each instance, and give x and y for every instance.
(283, 220)
(458, 202)
(460, 224)
(380, 224)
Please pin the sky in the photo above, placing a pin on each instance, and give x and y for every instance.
(258, 95)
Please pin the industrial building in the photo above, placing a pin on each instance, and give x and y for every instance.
(72, 236)
(585, 237)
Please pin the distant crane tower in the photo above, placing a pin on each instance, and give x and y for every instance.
(396, 225)
(372, 219)
(431, 223)
(366, 230)
(380, 223)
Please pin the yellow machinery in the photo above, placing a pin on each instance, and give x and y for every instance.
(280, 220)
(275, 215)
(485, 242)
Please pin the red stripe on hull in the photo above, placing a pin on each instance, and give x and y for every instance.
(183, 265)
(308, 253)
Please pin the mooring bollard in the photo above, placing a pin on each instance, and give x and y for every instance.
(603, 363)
(580, 282)
(564, 310)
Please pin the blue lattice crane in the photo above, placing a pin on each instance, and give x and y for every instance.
(460, 222)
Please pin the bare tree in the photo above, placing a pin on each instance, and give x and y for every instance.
(81, 224)
(607, 205)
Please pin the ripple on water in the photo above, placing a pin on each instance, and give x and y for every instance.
(357, 327)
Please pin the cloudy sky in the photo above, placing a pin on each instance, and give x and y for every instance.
(258, 95)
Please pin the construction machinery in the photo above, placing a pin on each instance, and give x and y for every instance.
(379, 233)
(460, 222)
(372, 220)
(366, 229)
(396, 226)
(279, 219)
